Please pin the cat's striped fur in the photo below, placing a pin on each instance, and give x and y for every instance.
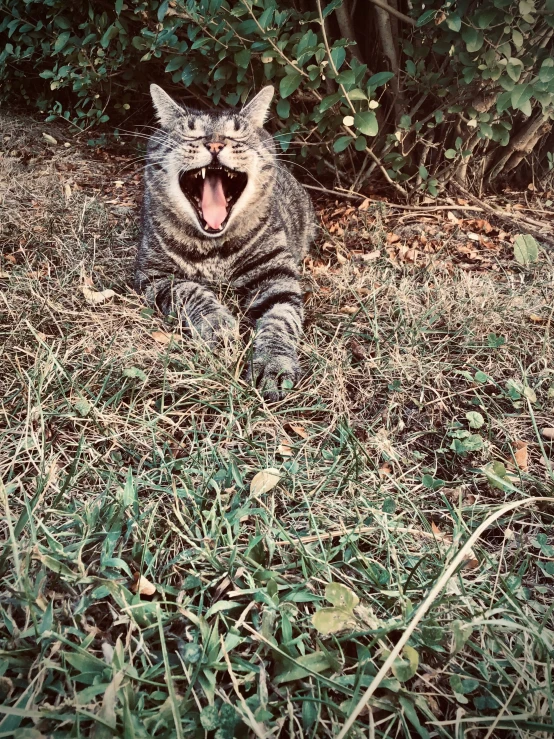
(187, 251)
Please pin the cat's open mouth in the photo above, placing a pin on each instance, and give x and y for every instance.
(213, 191)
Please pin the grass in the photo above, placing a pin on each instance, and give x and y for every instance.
(124, 458)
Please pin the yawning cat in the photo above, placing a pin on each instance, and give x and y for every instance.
(220, 209)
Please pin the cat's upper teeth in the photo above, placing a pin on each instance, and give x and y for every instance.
(203, 173)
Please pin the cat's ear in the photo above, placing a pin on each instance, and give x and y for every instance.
(167, 110)
(257, 109)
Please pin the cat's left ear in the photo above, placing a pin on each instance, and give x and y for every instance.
(167, 110)
(257, 109)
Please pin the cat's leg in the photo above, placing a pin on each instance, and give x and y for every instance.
(275, 308)
(200, 311)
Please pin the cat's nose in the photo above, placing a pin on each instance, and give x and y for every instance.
(214, 147)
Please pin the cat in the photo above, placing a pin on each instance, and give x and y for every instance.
(219, 209)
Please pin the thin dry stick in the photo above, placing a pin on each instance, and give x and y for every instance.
(256, 727)
(493, 726)
(358, 196)
(363, 530)
(534, 227)
(427, 603)
(394, 11)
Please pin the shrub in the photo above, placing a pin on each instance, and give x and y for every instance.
(452, 90)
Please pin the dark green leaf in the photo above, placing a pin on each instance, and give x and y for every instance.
(380, 79)
(546, 72)
(283, 109)
(289, 84)
(342, 143)
(61, 41)
(366, 123)
(425, 18)
(329, 101)
(338, 55)
(454, 22)
(316, 662)
(333, 5)
(473, 39)
(162, 10)
(242, 59)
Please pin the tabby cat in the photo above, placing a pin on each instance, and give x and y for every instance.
(219, 209)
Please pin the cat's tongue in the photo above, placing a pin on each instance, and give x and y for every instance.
(214, 204)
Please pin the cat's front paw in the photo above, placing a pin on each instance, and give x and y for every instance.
(216, 326)
(274, 374)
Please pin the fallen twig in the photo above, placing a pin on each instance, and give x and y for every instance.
(359, 196)
(533, 227)
(362, 530)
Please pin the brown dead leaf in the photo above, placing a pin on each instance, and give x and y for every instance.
(161, 337)
(521, 456)
(439, 535)
(462, 201)
(364, 206)
(385, 470)
(301, 431)
(392, 238)
(95, 297)
(358, 351)
(142, 585)
(284, 450)
(340, 258)
(483, 225)
(536, 318)
(548, 433)
(471, 561)
(370, 256)
(10, 258)
(349, 309)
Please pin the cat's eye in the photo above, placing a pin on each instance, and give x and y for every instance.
(192, 123)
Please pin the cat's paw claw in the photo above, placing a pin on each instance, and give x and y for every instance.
(274, 375)
(216, 327)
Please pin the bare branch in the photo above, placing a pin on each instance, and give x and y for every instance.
(397, 14)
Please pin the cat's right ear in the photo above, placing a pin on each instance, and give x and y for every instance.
(167, 110)
(257, 109)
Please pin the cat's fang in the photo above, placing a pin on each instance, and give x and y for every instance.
(203, 173)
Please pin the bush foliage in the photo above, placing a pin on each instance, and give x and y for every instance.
(458, 89)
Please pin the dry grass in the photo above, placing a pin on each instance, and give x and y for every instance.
(122, 455)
